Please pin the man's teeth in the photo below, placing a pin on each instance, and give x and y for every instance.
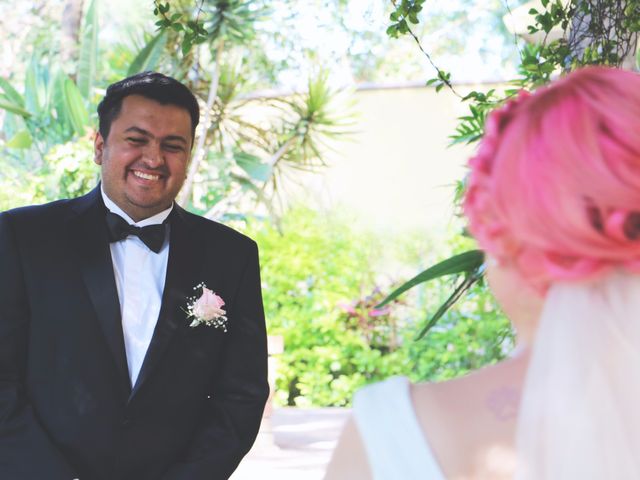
(146, 176)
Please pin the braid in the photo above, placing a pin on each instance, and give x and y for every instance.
(555, 184)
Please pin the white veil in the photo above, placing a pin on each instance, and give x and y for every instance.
(580, 412)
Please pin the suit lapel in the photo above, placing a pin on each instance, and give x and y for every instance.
(183, 273)
(90, 234)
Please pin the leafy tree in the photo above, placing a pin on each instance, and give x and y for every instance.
(52, 109)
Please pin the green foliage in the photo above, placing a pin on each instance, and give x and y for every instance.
(310, 121)
(67, 171)
(292, 136)
(148, 57)
(461, 263)
(51, 108)
(307, 275)
(469, 265)
(471, 335)
(50, 111)
(320, 294)
(233, 21)
(216, 38)
(592, 33)
(406, 11)
(87, 63)
(192, 31)
(17, 189)
(226, 21)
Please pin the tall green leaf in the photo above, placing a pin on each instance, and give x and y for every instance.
(253, 166)
(148, 57)
(12, 123)
(59, 101)
(21, 139)
(74, 106)
(88, 51)
(11, 93)
(462, 288)
(35, 92)
(9, 106)
(466, 262)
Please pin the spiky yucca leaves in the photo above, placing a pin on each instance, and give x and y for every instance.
(272, 139)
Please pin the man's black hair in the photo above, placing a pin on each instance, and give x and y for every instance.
(152, 85)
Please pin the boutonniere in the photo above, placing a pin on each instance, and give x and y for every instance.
(206, 309)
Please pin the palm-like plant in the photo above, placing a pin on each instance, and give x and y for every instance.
(261, 155)
(53, 108)
(269, 157)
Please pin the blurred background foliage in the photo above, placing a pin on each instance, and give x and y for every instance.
(275, 97)
(321, 281)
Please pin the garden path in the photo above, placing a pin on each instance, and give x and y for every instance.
(294, 444)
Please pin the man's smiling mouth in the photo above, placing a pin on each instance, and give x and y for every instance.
(145, 176)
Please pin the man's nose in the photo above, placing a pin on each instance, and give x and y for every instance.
(152, 155)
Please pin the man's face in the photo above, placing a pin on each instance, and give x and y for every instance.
(144, 159)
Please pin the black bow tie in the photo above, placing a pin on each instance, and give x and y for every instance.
(152, 235)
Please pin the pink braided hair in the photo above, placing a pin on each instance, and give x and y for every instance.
(555, 184)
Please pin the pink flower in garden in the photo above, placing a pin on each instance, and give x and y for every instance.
(378, 312)
(348, 308)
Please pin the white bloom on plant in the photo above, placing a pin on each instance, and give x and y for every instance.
(207, 309)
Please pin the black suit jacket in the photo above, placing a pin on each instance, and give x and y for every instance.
(67, 408)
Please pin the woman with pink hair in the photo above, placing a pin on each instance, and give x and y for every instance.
(553, 198)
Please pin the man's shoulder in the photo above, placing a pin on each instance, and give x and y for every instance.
(38, 226)
(40, 212)
(50, 217)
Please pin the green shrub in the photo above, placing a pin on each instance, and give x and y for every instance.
(319, 286)
(68, 171)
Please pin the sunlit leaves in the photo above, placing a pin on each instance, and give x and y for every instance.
(12, 107)
(442, 80)
(22, 139)
(406, 12)
(193, 31)
(74, 107)
(148, 57)
(216, 21)
(87, 62)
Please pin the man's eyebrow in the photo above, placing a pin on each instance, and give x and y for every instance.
(171, 138)
(139, 130)
(176, 138)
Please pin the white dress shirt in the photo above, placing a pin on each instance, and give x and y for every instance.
(140, 275)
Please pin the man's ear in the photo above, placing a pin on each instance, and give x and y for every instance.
(98, 148)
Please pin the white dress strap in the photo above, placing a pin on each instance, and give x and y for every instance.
(396, 446)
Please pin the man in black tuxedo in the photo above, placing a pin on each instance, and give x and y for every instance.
(101, 375)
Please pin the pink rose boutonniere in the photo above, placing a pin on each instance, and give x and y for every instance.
(207, 309)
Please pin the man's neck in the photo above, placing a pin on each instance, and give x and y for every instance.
(151, 220)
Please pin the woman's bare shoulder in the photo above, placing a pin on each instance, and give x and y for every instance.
(469, 422)
(457, 393)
